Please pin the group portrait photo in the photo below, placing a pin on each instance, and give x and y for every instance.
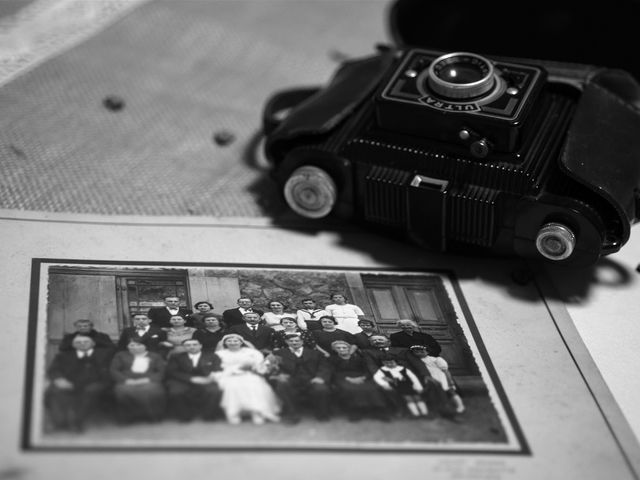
(218, 356)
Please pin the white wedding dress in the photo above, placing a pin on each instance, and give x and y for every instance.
(244, 390)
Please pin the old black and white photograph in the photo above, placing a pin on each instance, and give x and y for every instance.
(220, 356)
(332, 239)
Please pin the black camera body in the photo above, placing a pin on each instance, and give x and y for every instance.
(421, 96)
(461, 152)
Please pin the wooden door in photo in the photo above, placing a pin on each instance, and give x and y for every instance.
(424, 300)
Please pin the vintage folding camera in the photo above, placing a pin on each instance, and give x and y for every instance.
(462, 152)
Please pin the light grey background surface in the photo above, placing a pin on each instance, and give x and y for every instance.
(185, 69)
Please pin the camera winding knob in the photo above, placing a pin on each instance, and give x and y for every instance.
(461, 75)
(555, 241)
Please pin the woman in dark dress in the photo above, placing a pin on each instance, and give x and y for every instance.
(354, 385)
(330, 333)
(211, 334)
(290, 326)
(138, 375)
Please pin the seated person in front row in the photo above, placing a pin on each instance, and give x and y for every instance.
(251, 330)
(439, 370)
(433, 393)
(138, 376)
(142, 331)
(357, 392)
(403, 382)
(244, 388)
(191, 386)
(302, 377)
(380, 346)
(84, 326)
(78, 380)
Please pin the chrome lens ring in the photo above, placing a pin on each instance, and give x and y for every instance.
(461, 75)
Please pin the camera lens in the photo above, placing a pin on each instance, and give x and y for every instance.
(461, 75)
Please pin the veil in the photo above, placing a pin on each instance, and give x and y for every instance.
(245, 343)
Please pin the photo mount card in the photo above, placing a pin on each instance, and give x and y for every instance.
(552, 412)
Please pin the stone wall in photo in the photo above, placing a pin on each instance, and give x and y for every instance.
(290, 287)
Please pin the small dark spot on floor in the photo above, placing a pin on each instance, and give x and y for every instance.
(337, 56)
(223, 138)
(11, 473)
(113, 103)
(17, 151)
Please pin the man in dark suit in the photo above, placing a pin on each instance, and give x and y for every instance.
(259, 335)
(410, 334)
(160, 316)
(235, 316)
(101, 341)
(191, 388)
(302, 372)
(142, 332)
(380, 346)
(78, 380)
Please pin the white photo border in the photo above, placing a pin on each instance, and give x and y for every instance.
(35, 368)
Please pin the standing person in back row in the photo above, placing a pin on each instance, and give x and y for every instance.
(235, 316)
(309, 315)
(346, 314)
(143, 332)
(160, 316)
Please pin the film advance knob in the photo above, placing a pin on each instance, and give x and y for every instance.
(310, 192)
(555, 241)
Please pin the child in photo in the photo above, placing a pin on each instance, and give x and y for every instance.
(439, 370)
(393, 377)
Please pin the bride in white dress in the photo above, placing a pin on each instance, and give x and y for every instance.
(244, 389)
